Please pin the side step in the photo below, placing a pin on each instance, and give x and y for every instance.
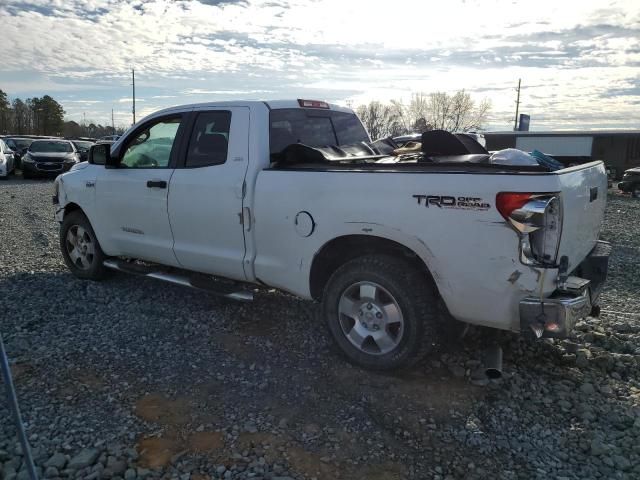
(199, 282)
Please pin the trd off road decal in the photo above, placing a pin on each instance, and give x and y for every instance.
(444, 201)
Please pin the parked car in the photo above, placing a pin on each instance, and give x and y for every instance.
(19, 145)
(7, 160)
(631, 182)
(112, 138)
(49, 158)
(289, 194)
(83, 148)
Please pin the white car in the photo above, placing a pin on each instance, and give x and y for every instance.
(290, 194)
(7, 160)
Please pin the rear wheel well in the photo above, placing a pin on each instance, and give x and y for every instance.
(342, 249)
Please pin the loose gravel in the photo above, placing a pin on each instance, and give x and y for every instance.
(135, 379)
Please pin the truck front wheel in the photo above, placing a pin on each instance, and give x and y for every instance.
(80, 247)
(381, 311)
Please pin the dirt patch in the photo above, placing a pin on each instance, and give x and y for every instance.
(157, 452)
(19, 371)
(310, 464)
(87, 379)
(157, 408)
(206, 442)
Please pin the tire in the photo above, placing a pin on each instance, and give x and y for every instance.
(80, 247)
(635, 191)
(26, 175)
(398, 326)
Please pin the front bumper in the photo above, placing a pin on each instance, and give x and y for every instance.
(555, 316)
(49, 169)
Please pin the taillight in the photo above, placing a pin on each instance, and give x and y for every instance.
(507, 202)
(312, 103)
(537, 217)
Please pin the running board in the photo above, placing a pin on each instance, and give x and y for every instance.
(184, 280)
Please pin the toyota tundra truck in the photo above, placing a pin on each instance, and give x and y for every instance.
(293, 195)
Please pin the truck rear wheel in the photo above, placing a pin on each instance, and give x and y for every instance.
(80, 247)
(635, 191)
(381, 311)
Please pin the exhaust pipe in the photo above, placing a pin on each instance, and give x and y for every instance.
(493, 361)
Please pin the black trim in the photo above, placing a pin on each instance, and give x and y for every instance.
(268, 107)
(478, 169)
(184, 139)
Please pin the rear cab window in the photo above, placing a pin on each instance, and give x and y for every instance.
(313, 127)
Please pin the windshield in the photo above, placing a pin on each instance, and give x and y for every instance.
(315, 128)
(50, 147)
(83, 146)
(19, 143)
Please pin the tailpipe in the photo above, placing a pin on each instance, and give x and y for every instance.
(493, 362)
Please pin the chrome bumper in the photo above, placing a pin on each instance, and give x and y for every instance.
(556, 316)
(553, 317)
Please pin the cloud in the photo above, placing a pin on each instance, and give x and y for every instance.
(200, 91)
(342, 51)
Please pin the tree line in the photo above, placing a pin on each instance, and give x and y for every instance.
(457, 112)
(44, 116)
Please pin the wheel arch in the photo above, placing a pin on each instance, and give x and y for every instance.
(72, 207)
(339, 250)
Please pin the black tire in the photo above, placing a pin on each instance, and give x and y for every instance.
(413, 294)
(635, 190)
(90, 266)
(25, 174)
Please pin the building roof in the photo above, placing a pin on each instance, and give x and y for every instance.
(572, 133)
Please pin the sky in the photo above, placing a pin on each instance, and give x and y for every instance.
(579, 61)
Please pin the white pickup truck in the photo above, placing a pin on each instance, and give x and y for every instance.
(219, 196)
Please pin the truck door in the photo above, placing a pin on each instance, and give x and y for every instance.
(207, 190)
(131, 201)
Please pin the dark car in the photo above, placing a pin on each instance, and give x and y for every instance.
(631, 182)
(49, 158)
(83, 147)
(19, 145)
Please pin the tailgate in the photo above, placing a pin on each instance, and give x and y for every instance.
(584, 196)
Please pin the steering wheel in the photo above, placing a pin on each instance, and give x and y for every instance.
(147, 161)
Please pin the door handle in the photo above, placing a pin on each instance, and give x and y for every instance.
(156, 184)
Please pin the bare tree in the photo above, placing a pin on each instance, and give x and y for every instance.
(440, 110)
(380, 120)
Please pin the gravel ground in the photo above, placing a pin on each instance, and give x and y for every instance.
(132, 378)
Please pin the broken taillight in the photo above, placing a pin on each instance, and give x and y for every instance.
(537, 217)
(507, 202)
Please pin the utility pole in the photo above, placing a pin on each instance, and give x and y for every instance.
(515, 122)
(133, 78)
(113, 125)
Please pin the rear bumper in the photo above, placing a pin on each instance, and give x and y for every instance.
(556, 315)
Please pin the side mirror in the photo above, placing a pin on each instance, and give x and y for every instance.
(100, 154)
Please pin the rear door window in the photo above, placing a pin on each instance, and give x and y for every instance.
(209, 142)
